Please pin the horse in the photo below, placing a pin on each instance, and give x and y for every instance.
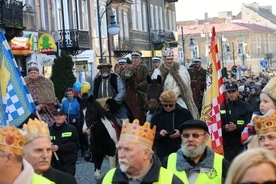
(133, 99)
(155, 89)
(104, 133)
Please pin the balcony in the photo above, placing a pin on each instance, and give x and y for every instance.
(159, 37)
(11, 18)
(73, 41)
(122, 1)
(171, 1)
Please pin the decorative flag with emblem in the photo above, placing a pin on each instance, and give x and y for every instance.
(16, 101)
(214, 97)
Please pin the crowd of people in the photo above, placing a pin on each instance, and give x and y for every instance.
(171, 148)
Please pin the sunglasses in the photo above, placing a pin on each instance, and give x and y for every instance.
(166, 105)
(194, 135)
(266, 182)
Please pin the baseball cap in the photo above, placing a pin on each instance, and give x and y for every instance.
(59, 111)
(231, 87)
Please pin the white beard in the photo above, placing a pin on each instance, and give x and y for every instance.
(193, 153)
(105, 74)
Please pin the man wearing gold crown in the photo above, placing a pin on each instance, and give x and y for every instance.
(137, 162)
(109, 85)
(38, 152)
(176, 78)
(43, 93)
(13, 168)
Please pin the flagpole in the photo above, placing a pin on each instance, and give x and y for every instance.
(55, 154)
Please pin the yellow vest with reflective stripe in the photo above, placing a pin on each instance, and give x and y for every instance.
(206, 178)
(38, 179)
(165, 176)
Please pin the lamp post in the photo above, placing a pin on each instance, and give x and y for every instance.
(192, 45)
(113, 28)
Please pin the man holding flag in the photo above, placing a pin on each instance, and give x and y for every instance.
(16, 103)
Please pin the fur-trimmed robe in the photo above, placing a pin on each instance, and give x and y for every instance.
(177, 79)
(46, 97)
(44, 88)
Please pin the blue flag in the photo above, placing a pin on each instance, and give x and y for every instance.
(16, 101)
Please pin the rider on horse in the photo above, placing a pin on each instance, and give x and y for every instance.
(140, 71)
(109, 86)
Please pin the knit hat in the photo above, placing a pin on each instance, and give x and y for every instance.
(32, 65)
(167, 97)
(270, 87)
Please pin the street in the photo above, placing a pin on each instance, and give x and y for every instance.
(85, 171)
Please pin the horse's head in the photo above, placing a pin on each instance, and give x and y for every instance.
(93, 112)
(154, 90)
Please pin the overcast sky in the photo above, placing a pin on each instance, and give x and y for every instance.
(195, 9)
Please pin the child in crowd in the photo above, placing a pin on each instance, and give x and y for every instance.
(268, 101)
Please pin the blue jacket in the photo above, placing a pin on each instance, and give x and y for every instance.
(71, 108)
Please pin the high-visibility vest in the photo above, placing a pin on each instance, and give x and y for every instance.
(38, 179)
(203, 177)
(165, 176)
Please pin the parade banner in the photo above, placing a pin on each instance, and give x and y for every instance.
(214, 97)
(16, 102)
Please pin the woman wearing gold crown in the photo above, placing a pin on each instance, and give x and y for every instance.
(43, 93)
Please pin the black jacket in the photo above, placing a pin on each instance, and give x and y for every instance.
(59, 177)
(66, 137)
(240, 113)
(163, 120)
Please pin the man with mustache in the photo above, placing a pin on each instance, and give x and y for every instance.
(137, 162)
(195, 162)
(109, 87)
(38, 152)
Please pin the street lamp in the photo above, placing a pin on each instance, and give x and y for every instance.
(192, 46)
(113, 28)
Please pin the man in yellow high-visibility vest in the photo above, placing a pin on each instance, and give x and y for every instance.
(137, 162)
(195, 162)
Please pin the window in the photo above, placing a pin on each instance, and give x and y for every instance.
(161, 17)
(156, 18)
(152, 17)
(133, 16)
(139, 13)
(126, 33)
(84, 14)
(145, 17)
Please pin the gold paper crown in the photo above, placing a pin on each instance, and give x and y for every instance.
(264, 124)
(141, 134)
(11, 140)
(35, 129)
(269, 88)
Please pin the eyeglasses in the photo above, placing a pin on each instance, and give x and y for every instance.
(166, 105)
(194, 135)
(266, 182)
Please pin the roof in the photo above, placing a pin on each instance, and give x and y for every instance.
(265, 13)
(222, 27)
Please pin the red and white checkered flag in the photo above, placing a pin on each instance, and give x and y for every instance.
(214, 97)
